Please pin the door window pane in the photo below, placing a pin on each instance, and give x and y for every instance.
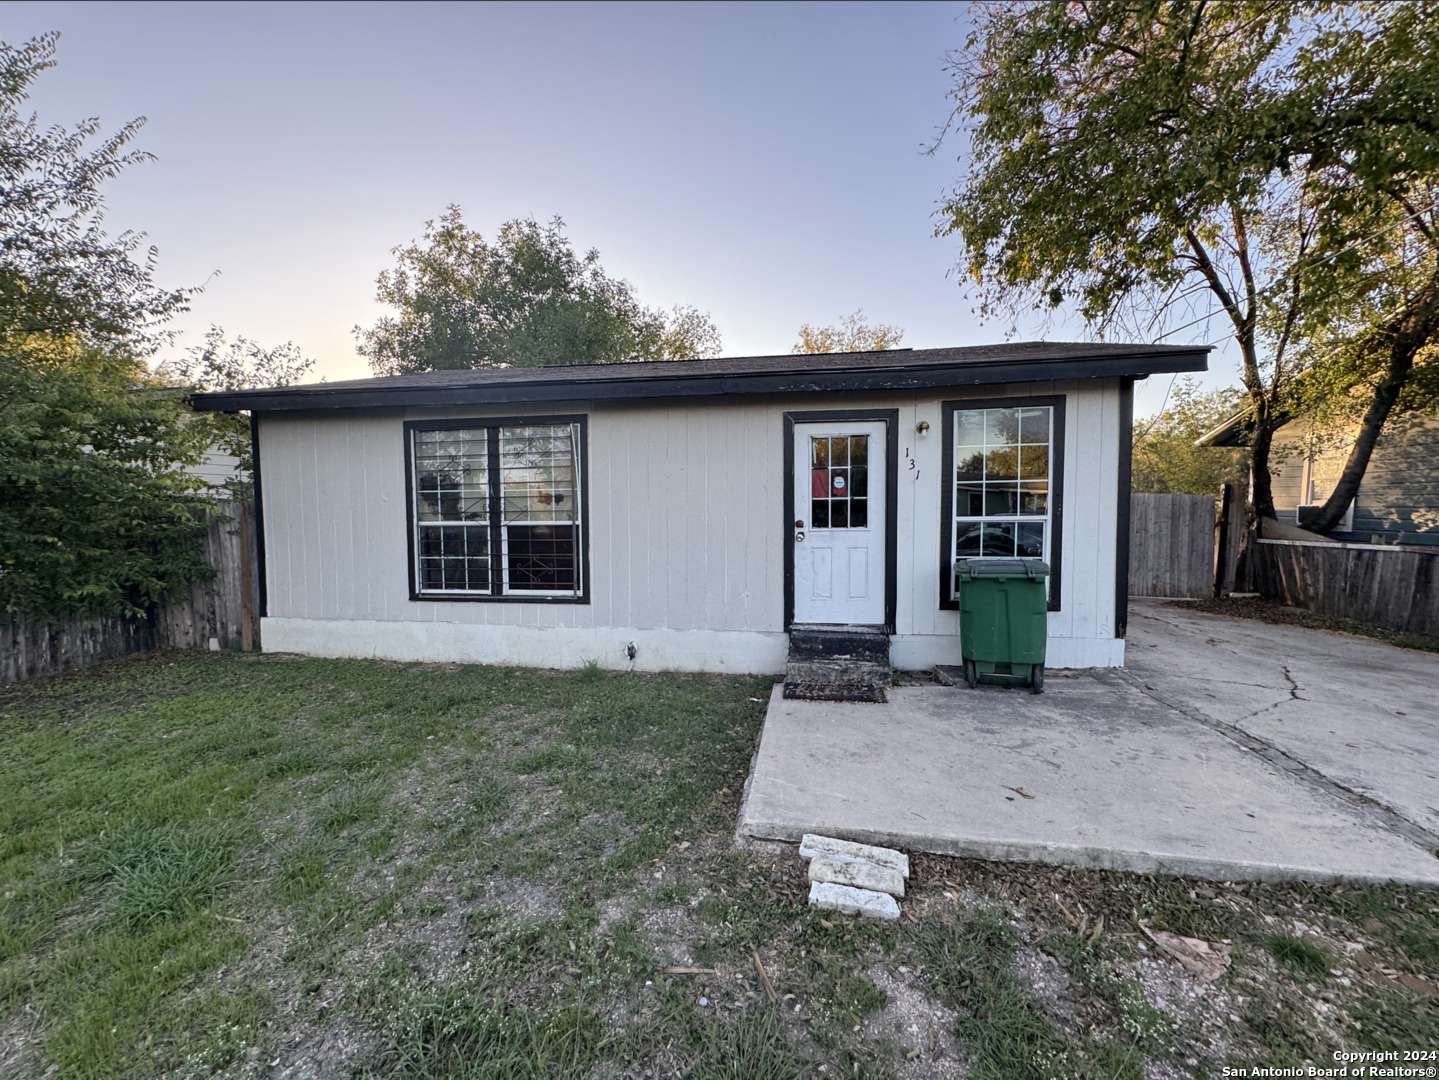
(839, 475)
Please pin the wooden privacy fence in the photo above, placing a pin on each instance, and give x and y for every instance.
(1383, 586)
(1171, 545)
(221, 613)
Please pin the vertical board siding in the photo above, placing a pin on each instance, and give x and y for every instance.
(1398, 589)
(222, 609)
(686, 514)
(1171, 545)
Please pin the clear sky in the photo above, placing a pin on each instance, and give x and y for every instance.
(762, 162)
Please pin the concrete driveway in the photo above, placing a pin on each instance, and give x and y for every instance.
(1227, 749)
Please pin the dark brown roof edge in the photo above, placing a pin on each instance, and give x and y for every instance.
(894, 370)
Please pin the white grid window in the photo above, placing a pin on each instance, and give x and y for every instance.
(497, 510)
(539, 509)
(1002, 483)
(452, 510)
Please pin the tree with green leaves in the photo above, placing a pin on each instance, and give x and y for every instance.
(1166, 458)
(97, 513)
(1184, 160)
(853, 333)
(524, 299)
(222, 363)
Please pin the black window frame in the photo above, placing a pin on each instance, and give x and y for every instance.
(582, 524)
(1055, 402)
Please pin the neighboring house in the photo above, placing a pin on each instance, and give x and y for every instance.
(686, 515)
(1398, 499)
(218, 468)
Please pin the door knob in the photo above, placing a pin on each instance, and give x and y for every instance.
(799, 524)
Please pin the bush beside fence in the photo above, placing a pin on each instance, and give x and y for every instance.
(223, 612)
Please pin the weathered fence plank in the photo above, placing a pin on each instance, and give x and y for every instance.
(220, 613)
(1385, 586)
(1171, 545)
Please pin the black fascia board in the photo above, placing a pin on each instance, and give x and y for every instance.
(716, 384)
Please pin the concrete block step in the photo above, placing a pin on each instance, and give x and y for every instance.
(871, 646)
(851, 901)
(838, 670)
(812, 845)
(858, 874)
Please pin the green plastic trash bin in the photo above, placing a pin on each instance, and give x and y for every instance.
(1003, 621)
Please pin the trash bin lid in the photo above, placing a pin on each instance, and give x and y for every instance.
(1001, 567)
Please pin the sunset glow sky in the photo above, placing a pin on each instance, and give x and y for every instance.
(762, 162)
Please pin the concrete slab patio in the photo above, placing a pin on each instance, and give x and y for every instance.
(1227, 750)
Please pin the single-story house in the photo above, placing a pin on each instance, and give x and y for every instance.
(687, 515)
(1398, 499)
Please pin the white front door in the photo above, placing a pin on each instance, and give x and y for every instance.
(839, 525)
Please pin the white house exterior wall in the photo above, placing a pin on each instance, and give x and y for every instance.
(686, 537)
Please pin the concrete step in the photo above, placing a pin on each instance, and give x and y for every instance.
(828, 663)
(861, 644)
(842, 669)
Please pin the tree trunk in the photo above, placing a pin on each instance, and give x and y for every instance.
(1404, 335)
(1261, 484)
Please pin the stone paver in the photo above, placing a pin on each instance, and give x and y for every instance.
(857, 873)
(811, 846)
(851, 901)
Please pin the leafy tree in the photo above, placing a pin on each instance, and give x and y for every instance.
(1373, 353)
(1145, 160)
(97, 515)
(61, 275)
(525, 299)
(1166, 458)
(241, 364)
(851, 334)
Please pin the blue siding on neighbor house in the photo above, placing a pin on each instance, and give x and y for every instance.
(1398, 501)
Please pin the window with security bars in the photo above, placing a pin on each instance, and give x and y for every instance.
(1002, 484)
(497, 510)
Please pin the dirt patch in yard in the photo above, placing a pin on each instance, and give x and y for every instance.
(413, 887)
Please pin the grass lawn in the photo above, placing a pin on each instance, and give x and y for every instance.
(267, 866)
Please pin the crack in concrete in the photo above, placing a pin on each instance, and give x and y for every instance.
(1293, 686)
(1381, 814)
(1258, 712)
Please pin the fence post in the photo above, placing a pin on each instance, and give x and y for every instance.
(247, 615)
(1221, 538)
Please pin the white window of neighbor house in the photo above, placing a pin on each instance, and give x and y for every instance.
(1324, 462)
(497, 510)
(1002, 496)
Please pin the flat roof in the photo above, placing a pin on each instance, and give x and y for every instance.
(891, 369)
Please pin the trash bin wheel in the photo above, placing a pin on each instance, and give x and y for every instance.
(1036, 680)
(971, 674)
